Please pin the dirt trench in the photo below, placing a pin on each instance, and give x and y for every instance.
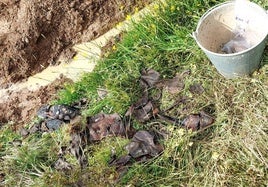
(33, 34)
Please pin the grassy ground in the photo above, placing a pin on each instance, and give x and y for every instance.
(233, 152)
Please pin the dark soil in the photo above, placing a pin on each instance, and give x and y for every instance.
(33, 34)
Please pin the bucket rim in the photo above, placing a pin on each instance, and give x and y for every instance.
(226, 54)
(220, 5)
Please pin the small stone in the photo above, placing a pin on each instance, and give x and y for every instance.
(17, 143)
(23, 132)
(42, 112)
(54, 124)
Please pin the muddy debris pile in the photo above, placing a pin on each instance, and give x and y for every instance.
(19, 108)
(144, 144)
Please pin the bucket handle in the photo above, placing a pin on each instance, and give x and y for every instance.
(194, 35)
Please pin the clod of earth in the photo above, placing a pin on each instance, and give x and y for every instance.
(43, 126)
(51, 124)
(54, 116)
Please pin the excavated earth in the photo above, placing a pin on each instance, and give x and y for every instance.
(33, 34)
(21, 105)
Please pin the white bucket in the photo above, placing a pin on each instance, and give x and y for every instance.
(215, 28)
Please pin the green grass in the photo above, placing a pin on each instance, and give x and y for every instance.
(233, 152)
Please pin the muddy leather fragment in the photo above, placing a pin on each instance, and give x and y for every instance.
(196, 88)
(79, 139)
(197, 121)
(149, 78)
(62, 164)
(103, 125)
(141, 147)
(146, 143)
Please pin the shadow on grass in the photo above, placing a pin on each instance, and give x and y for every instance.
(265, 57)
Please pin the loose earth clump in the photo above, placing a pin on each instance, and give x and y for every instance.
(22, 106)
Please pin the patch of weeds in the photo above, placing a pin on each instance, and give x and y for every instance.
(98, 173)
(7, 136)
(35, 156)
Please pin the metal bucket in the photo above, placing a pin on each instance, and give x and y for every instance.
(215, 28)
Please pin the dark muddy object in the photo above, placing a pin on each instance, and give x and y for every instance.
(61, 112)
(144, 109)
(196, 89)
(43, 126)
(197, 121)
(103, 125)
(143, 144)
(149, 78)
(53, 124)
(52, 117)
(141, 148)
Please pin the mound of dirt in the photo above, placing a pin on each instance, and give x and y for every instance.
(34, 33)
(22, 105)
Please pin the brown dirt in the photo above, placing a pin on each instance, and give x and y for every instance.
(22, 105)
(33, 34)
